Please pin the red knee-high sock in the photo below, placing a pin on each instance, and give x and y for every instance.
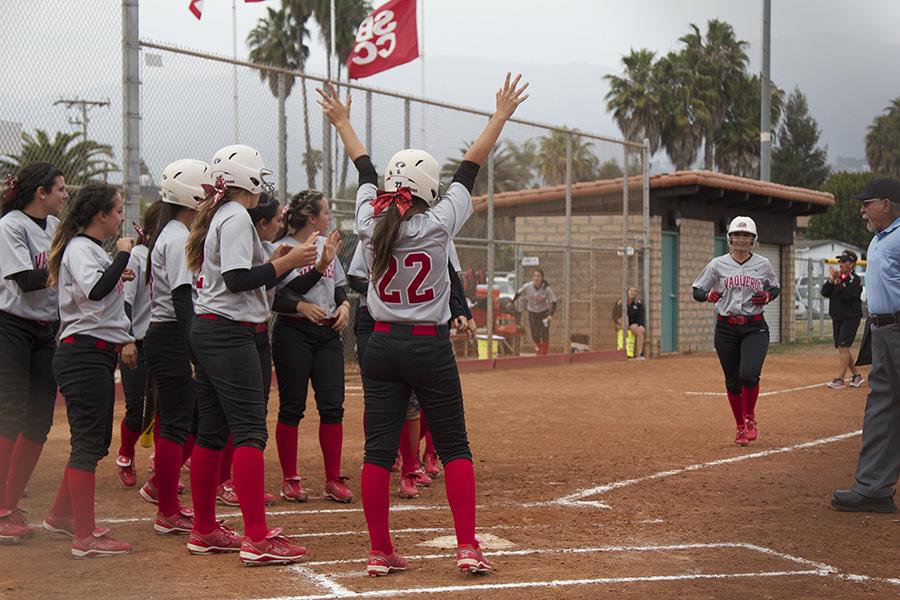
(249, 482)
(286, 442)
(127, 440)
(425, 432)
(204, 481)
(62, 506)
(155, 429)
(168, 470)
(736, 400)
(375, 488)
(409, 447)
(81, 492)
(331, 440)
(24, 460)
(188, 447)
(460, 483)
(225, 464)
(6, 451)
(750, 395)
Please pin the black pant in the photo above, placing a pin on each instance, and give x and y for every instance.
(303, 350)
(264, 348)
(134, 385)
(397, 363)
(86, 378)
(170, 365)
(363, 328)
(27, 387)
(539, 332)
(229, 385)
(742, 350)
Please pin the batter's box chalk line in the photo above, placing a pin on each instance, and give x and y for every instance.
(577, 499)
(333, 589)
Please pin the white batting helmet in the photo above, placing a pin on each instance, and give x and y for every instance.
(417, 170)
(742, 224)
(182, 183)
(242, 167)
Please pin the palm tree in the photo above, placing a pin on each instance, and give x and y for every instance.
(719, 62)
(634, 99)
(300, 11)
(737, 139)
(883, 141)
(683, 111)
(512, 169)
(348, 14)
(552, 159)
(80, 160)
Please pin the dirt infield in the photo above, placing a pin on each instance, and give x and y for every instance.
(606, 479)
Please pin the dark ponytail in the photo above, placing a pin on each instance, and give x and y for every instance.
(92, 199)
(265, 209)
(301, 208)
(197, 237)
(22, 189)
(156, 217)
(383, 240)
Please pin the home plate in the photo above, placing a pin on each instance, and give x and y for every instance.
(485, 540)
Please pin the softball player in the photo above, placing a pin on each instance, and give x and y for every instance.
(306, 345)
(541, 304)
(404, 233)
(231, 308)
(94, 330)
(165, 346)
(28, 322)
(740, 284)
(134, 381)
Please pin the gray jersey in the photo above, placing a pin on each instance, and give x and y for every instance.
(737, 283)
(358, 267)
(416, 286)
(137, 292)
(321, 294)
(169, 270)
(231, 243)
(537, 299)
(83, 263)
(24, 246)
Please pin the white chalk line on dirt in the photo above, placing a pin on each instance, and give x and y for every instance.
(338, 591)
(277, 513)
(772, 393)
(575, 499)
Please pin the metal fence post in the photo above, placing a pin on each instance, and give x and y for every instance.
(131, 111)
(491, 251)
(406, 142)
(369, 123)
(625, 251)
(567, 257)
(282, 139)
(809, 300)
(821, 300)
(328, 173)
(645, 160)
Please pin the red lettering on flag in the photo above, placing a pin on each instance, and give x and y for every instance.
(385, 39)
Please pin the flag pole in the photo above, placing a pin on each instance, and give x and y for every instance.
(334, 144)
(234, 74)
(422, 66)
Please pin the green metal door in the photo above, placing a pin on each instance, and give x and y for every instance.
(669, 291)
(721, 246)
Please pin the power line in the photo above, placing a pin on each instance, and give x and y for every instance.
(84, 106)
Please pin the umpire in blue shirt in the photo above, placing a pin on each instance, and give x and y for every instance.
(878, 466)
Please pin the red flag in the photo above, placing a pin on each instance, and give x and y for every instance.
(196, 7)
(385, 39)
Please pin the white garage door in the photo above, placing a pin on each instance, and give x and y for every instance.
(773, 309)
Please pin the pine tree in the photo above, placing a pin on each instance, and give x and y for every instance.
(798, 159)
(842, 221)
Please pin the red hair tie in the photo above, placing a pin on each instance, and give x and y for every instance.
(142, 235)
(402, 198)
(217, 191)
(12, 184)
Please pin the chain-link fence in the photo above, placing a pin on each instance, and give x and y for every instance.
(811, 308)
(115, 108)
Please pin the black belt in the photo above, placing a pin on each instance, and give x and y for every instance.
(887, 319)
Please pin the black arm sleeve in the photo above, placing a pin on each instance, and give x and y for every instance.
(244, 280)
(110, 277)
(31, 281)
(466, 174)
(340, 295)
(305, 282)
(458, 304)
(774, 292)
(367, 172)
(283, 304)
(827, 289)
(358, 284)
(700, 294)
(183, 302)
(553, 307)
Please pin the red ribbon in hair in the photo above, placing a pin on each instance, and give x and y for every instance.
(142, 235)
(11, 185)
(402, 198)
(215, 192)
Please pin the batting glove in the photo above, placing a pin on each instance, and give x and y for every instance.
(713, 296)
(761, 298)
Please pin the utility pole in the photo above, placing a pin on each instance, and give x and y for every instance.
(84, 106)
(765, 126)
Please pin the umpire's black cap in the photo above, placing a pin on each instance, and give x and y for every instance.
(881, 189)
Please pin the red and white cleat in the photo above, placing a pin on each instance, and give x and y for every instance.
(226, 495)
(422, 480)
(751, 431)
(470, 558)
(337, 490)
(432, 465)
(13, 528)
(181, 523)
(125, 471)
(381, 564)
(63, 525)
(741, 437)
(220, 540)
(292, 490)
(98, 545)
(274, 549)
(408, 488)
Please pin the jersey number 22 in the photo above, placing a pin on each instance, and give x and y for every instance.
(413, 294)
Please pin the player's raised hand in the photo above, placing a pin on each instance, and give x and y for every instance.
(337, 112)
(329, 251)
(304, 254)
(124, 244)
(510, 96)
(281, 250)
